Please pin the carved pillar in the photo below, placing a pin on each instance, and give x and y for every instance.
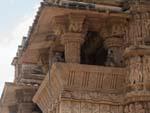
(72, 43)
(113, 41)
(71, 29)
(114, 46)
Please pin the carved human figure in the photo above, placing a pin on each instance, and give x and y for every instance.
(131, 108)
(110, 59)
(146, 70)
(136, 74)
(58, 57)
(139, 108)
(126, 109)
(139, 69)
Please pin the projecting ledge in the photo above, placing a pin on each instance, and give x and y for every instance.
(75, 78)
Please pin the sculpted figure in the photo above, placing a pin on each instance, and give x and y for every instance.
(139, 108)
(110, 59)
(58, 57)
(146, 70)
(139, 70)
(126, 109)
(132, 69)
(131, 108)
(136, 70)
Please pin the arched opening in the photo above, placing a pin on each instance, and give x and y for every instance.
(93, 51)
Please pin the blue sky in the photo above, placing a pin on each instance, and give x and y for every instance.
(16, 17)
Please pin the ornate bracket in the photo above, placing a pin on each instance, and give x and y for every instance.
(74, 23)
(59, 24)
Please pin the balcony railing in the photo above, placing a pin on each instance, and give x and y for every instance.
(76, 77)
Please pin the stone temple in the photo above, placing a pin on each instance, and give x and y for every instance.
(83, 56)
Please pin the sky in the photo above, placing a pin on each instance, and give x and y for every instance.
(15, 18)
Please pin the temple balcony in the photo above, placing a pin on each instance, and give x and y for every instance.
(80, 82)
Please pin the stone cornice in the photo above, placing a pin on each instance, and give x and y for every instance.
(137, 51)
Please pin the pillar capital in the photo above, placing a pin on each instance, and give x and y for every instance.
(114, 28)
(113, 42)
(72, 37)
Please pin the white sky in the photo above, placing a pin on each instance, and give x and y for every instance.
(16, 17)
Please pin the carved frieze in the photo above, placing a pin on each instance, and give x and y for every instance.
(92, 96)
(88, 107)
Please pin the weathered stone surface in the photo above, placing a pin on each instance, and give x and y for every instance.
(83, 57)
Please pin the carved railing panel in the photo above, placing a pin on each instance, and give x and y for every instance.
(94, 78)
(67, 81)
